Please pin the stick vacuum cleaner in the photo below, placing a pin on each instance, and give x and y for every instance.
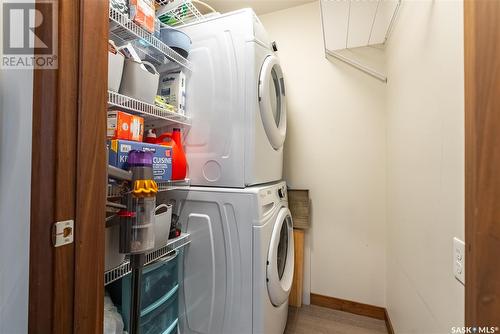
(137, 226)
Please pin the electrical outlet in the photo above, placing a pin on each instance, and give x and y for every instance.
(459, 259)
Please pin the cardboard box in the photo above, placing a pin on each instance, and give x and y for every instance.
(173, 88)
(122, 125)
(142, 12)
(162, 156)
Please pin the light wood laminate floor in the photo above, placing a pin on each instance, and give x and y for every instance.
(311, 319)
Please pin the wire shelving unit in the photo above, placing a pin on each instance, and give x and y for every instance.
(128, 31)
(124, 269)
(151, 113)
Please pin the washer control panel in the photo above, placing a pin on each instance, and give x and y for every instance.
(275, 193)
(271, 198)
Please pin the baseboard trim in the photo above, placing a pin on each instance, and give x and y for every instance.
(388, 323)
(350, 306)
(367, 310)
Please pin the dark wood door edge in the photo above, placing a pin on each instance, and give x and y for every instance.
(91, 168)
(482, 162)
(470, 143)
(41, 262)
(53, 179)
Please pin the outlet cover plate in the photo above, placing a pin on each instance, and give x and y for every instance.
(459, 259)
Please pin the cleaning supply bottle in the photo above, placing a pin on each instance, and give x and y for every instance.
(179, 162)
(151, 137)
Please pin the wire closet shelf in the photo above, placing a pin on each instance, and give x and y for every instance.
(167, 250)
(177, 12)
(150, 112)
(129, 31)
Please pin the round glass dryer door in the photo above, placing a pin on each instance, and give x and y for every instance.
(280, 259)
(272, 101)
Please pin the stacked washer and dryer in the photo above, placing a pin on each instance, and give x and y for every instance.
(238, 269)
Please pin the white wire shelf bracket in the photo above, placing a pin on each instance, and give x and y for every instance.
(173, 185)
(178, 13)
(124, 269)
(127, 30)
(150, 112)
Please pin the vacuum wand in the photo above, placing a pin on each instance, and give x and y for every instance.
(137, 226)
(136, 263)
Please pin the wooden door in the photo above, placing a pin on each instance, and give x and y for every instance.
(68, 174)
(482, 135)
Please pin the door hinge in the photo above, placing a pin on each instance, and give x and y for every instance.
(62, 233)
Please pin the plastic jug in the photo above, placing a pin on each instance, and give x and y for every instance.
(179, 162)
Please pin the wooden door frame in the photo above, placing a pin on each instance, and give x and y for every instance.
(482, 162)
(53, 179)
(68, 171)
(92, 167)
(66, 284)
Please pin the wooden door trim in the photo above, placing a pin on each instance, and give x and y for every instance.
(53, 179)
(482, 162)
(470, 143)
(68, 174)
(91, 168)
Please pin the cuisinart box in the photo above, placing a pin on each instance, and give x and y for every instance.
(162, 156)
(173, 88)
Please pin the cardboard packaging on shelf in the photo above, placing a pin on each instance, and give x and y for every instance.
(142, 12)
(173, 89)
(122, 125)
(162, 156)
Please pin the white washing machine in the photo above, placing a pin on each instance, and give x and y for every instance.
(236, 98)
(238, 268)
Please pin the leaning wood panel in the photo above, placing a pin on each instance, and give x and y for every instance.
(298, 202)
(298, 270)
(482, 166)
(91, 168)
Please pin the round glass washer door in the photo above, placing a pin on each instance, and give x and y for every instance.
(280, 259)
(272, 101)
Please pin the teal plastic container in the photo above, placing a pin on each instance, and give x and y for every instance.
(159, 281)
(161, 317)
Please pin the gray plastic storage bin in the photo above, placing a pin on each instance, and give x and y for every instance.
(112, 256)
(138, 82)
(115, 70)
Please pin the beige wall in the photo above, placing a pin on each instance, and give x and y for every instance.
(336, 148)
(425, 166)
(384, 163)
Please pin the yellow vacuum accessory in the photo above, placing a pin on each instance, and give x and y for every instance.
(144, 188)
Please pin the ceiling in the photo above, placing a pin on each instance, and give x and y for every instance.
(259, 6)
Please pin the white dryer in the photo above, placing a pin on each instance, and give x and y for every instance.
(236, 98)
(238, 268)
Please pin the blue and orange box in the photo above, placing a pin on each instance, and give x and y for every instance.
(162, 156)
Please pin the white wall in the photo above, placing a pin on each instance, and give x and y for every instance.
(425, 166)
(336, 148)
(16, 88)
